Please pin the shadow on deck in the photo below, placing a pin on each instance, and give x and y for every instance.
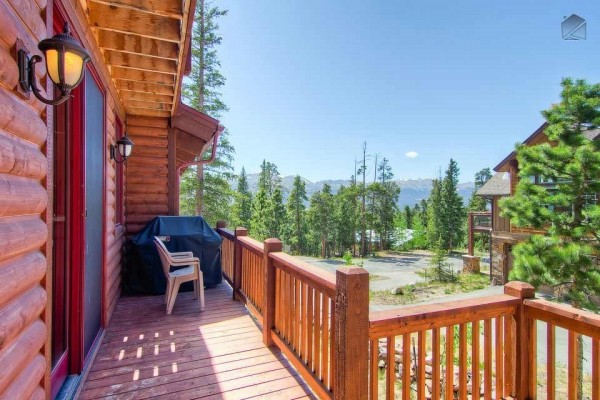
(216, 354)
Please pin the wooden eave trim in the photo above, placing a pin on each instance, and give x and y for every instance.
(136, 44)
(189, 9)
(142, 6)
(501, 166)
(148, 25)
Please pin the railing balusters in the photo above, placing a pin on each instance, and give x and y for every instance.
(462, 363)
(422, 336)
(317, 333)
(573, 365)
(550, 360)
(475, 369)
(487, 359)
(499, 356)
(309, 326)
(390, 377)
(325, 340)
(449, 381)
(435, 376)
(595, 369)
(374, 370)
(406, 367)
(508, 356)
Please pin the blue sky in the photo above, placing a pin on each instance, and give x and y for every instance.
(308, 81)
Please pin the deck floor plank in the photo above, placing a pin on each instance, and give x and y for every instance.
(214, 354)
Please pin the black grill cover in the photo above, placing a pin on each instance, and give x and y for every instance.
(143, 273)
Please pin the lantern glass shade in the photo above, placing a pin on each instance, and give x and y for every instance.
(73, 67)
(124, 146)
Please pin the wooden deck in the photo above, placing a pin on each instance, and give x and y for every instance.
(216, 354)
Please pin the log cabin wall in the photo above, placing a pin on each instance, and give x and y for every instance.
(26, 132)
(24, 212)
(147, 171)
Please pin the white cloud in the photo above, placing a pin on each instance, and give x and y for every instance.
(411, 154)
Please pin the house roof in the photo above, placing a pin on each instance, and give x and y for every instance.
(146, 46)
(538, 137)
(193, 131)
(498, 185)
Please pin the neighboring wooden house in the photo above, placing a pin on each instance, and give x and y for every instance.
(65, 205)
(505, 235)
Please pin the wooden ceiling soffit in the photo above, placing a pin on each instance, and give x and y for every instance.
(188, 146)
(144, 87)
(128, 21)
(156, 98)
(137, 45)
(167, 8)
(146, 112)
(142, 76)
(135, 61)
(149, 105)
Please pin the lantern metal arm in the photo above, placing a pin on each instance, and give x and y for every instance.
(114, 150)
(62, 43)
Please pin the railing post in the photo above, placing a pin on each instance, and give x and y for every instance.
(270, 246)
(524, 334)
(221, 224)
(351, 351)
(237, 262)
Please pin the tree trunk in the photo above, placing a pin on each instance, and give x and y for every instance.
(200, 168)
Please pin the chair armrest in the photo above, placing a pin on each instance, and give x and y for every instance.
(182, 254)
(180, 261)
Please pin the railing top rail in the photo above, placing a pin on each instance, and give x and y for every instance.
(226, 233)
(426, 316)
(321, 280)
(564, 316)
(481, 213)
(251, 244)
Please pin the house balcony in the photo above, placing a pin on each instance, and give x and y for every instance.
(281, 328)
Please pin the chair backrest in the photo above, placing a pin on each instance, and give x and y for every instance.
(164, 256)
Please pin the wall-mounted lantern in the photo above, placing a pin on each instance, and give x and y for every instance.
(65, 63)
(123, 148)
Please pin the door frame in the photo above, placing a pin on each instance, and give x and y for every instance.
(76, 209)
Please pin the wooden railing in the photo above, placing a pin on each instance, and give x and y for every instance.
(550, 383)
(448, 350)
(303, 324)
(227, 252)
(484, 347)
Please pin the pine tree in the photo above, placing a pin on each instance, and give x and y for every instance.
(242, 206)
(346, 217)
(453, 212)
(408, 217)
(210, 182)
(321, 218)
(566, 256)
(267, 205)
(479, 203)
(278, 218)
(296, 210)
(434, 213)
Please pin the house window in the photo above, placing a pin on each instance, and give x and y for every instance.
(119, 180)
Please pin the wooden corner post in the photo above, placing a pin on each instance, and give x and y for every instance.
(524, 333)
(221, 224)
(237, 262)
(270, 246)
(351, 351)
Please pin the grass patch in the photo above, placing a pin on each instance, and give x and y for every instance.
(373, 277)
(423, 291)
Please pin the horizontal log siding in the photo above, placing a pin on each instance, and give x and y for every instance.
(23, 212)
(147, 172)
(115, 234)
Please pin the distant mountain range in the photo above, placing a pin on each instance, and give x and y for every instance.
(412, 191)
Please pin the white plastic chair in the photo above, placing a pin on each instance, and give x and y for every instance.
(190, 272)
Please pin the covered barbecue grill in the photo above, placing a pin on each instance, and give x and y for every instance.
(143, 272)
